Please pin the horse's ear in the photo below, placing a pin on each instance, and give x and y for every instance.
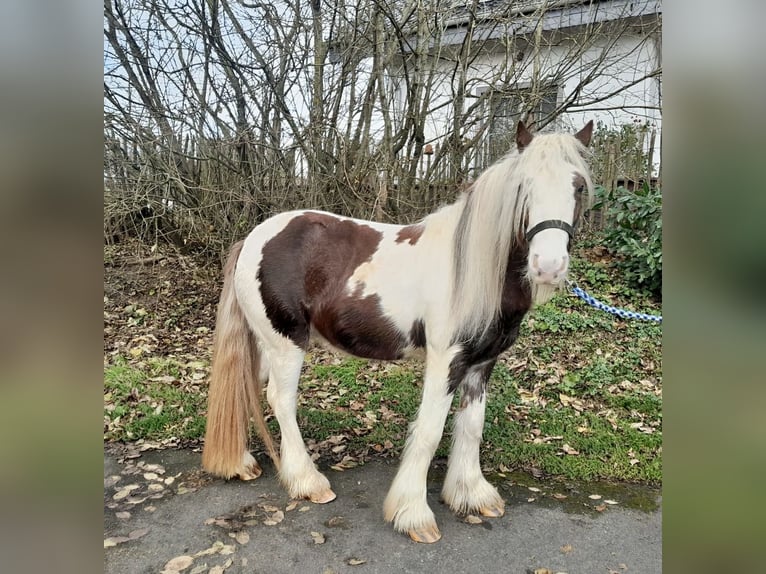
(523, 136)
(585, 134)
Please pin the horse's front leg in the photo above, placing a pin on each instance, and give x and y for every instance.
(406, 503)
(465, 488)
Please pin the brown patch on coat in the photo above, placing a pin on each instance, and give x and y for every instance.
(410, 233)
(578, 182)
(304, 273)
(418, 334)
(478, 354)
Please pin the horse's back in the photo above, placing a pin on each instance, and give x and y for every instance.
(337, 277)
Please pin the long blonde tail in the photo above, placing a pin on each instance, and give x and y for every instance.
(235, 388)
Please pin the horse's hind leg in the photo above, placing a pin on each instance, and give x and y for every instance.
(465, 488)
(297, 472)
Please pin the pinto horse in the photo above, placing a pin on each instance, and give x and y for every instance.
(456, 284)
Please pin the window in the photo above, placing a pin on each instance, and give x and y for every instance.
(511, 105)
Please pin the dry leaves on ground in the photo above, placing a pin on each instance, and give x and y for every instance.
(115, 540)
(178, 564)
(318, 537)
(472, 519)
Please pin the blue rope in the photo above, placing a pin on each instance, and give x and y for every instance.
(622, 313)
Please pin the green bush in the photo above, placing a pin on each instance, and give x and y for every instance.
(633, 232)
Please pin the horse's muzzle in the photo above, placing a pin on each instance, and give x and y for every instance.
(548, 271)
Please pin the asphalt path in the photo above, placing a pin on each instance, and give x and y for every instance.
(173, 510)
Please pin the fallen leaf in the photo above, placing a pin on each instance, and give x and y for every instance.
(595, 497)
(600, 507)
(292, 505)
(559, 496)
(531, 499)
(169, 480)
(221, 568)
(567, 548)
(114, 541)
(355, 561)
(227, 549)
(275, 518)
(123, 515)
(154, 487)
(150, 508)
(178, 564)
(214, 549)
(611, 502)
(199, 569)
(269, 507)
(471, 519)
(242, 537)
(317, 537)
(125, 491)
(304, 509)
(138, 533)
(111, 481)
(569, 450)
(151, 476)
(533, 489)
(335, 522)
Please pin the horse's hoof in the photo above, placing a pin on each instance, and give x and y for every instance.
(250, 472)
(427, 535)
(322, 497)
(492, 511)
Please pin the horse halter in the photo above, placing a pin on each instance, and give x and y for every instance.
(550, 224)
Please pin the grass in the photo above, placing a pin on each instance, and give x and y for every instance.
(578, 396)
(148, 401)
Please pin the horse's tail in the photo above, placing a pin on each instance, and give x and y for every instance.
(235, 388)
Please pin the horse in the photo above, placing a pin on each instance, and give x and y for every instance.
(456, 284)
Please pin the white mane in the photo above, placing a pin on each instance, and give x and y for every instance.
(493, 220)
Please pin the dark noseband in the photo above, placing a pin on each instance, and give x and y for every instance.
(550, 224)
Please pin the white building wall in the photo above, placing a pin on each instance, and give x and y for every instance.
(620, 93)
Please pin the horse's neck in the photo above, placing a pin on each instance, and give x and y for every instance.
(447, 217)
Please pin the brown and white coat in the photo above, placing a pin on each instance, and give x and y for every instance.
(455, 285)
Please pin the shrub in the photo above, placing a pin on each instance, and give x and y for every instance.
(633, 232)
